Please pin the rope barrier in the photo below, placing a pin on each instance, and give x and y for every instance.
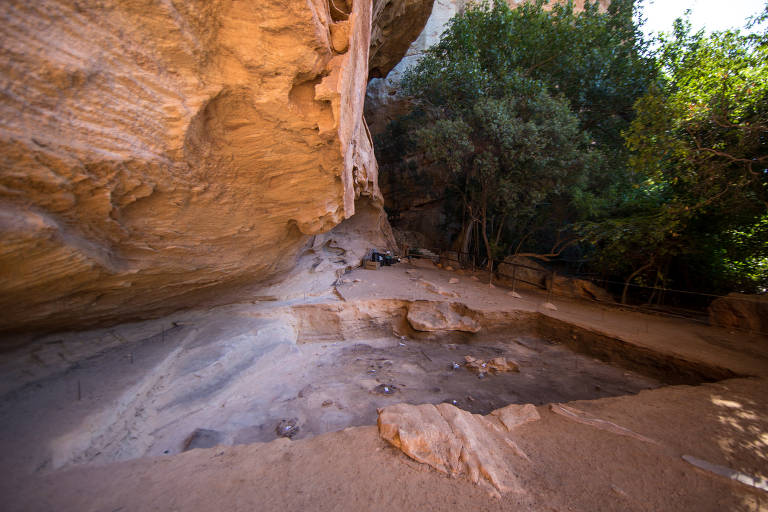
(436, 254)
(441, 255)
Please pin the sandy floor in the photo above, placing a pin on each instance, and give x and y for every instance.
(238, 370)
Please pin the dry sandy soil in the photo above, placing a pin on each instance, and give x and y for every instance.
(101, 420)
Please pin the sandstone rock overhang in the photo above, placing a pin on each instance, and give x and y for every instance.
(398, 24)
(153, 152)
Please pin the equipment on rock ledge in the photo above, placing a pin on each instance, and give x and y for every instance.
(386, 259)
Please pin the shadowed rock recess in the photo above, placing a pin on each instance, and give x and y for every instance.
(156, 152)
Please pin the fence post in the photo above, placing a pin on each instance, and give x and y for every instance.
(514, 277)
(551, 285)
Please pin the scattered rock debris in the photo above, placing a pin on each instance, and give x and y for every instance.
(287, 428)
(495, 365)
(385, 389)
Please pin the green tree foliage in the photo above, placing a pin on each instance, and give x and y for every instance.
(700, 146)
(525, 107)
(507, 154)
(556, 121)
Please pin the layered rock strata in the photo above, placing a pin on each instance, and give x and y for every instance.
(155, 152)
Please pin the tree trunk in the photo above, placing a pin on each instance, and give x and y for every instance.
(466, 237)
(629, 280)
(501, 226)
(487, 245)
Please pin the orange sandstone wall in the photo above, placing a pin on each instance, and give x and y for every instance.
(154, 152)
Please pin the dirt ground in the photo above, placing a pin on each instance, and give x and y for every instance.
(105, 430)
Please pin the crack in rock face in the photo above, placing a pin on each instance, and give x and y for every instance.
(459, 443)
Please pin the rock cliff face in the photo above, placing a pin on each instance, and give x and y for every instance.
(383, 102)
(157, 152)
(397, 24)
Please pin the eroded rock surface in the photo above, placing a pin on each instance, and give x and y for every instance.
(155, 152)
(384, 101)
(581, 288)
(396, 24)
(433, 316)
(741, 311)
(459, 443)
(525, 270)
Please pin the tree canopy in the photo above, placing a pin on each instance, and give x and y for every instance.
(524, 106)
(699, 143)
(556, 128)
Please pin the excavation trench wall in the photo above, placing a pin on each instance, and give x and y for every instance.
(238, 371)
(377, 318)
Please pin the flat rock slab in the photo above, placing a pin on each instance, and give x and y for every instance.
(459, 443)
(441, 316)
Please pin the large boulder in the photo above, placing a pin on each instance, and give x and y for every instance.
(740, 311)
(459, 443)
(156, 153)
(528, 271)
(432, 316)
(580, 288)
(524, 270)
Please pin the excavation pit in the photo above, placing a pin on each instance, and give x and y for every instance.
(318, 368)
